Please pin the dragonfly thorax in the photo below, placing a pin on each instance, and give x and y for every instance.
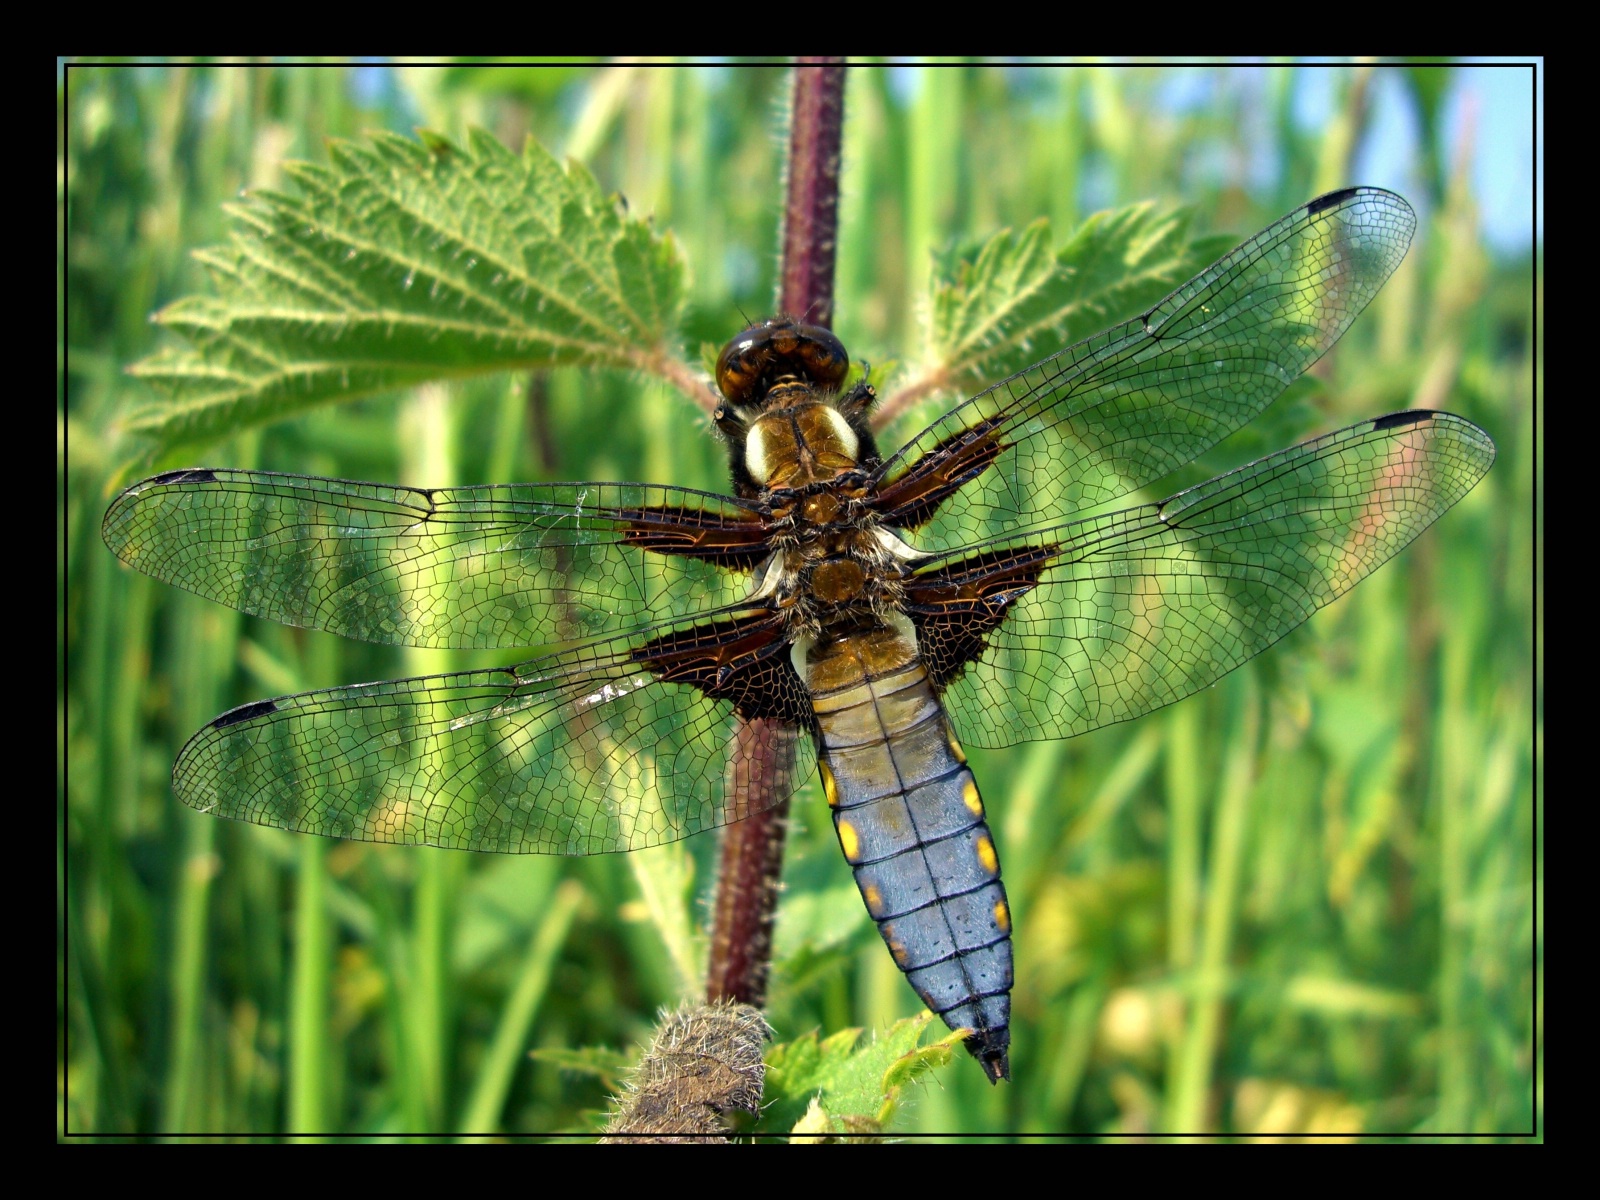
(805, 443)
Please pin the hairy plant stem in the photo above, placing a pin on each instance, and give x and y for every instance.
(752, 850)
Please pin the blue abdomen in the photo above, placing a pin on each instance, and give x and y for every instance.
(911, 823)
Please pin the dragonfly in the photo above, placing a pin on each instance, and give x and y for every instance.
(845, 612)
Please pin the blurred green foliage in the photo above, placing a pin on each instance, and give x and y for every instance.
(1300, 902)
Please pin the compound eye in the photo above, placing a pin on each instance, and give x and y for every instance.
(743, 362)
(767, 352)
(824, 355)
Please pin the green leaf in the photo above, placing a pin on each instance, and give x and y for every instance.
(665, 875)
(404, 261)
(833, 1085)
(997, 310)
(599, 1062)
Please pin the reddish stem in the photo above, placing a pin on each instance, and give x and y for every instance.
(752, 851)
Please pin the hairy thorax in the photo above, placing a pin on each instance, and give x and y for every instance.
(834, 566)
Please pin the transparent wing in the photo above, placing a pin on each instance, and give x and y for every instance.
(579, 752)
(1140, 608)
(1130, 405)
(484, 567)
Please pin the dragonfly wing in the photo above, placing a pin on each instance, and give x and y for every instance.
(483, 567)
(584, 751)
(1130, 405)
(1108, 618)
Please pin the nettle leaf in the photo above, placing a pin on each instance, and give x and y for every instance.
(840, 1084)
(1007, 304)
(404, 261)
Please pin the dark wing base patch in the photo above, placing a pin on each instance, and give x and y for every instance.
(744, 660)
(956, 607)
(736, 544)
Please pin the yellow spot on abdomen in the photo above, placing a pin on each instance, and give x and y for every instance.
(955, 748)
(896, 946)
(969, 794)
(830, 788)
(987, 856)
(1002, 916)
(849, 840)
(873, 897)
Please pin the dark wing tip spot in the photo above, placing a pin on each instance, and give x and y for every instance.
(1331, 200)
(245, 712)
(186, 475)
(1399, 420)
